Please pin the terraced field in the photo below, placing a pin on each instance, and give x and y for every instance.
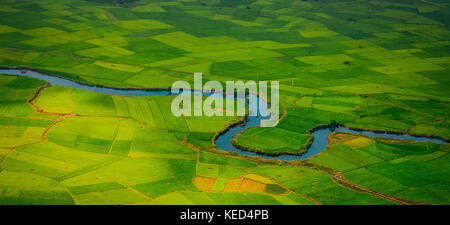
(374, 65)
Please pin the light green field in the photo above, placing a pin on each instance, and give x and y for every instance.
(415, 171)
(377, 65)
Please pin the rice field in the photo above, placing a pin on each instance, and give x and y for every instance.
(375, 65)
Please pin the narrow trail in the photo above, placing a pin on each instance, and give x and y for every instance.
(339, 178)
(198, 150)
(62, 116)
(75, 201)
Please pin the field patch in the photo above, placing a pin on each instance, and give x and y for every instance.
(207, 170)
(359, 142)
(204, 183)
(259, 178)
(233, 185)
(248, 185)
(142, 25)
(7, 29)
(104, 51)
(19, 188)
(120, 67)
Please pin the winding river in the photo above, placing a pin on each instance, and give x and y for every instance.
(223, 141)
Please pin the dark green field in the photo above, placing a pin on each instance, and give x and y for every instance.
(375, 65)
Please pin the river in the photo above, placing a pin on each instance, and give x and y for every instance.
(223, 141)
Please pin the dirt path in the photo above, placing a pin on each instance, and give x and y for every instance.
(421, 124)
(44, 135)
(62, 116)
(339, 178)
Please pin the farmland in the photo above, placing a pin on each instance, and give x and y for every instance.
(373, 65)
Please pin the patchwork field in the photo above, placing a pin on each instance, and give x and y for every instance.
(415, 171)
(375, 65)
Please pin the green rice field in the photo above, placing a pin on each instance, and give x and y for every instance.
(375, 65)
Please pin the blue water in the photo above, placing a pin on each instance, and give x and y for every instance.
(223, 142)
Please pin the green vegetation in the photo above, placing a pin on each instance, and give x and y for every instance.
(411, 170)
(377, 65)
